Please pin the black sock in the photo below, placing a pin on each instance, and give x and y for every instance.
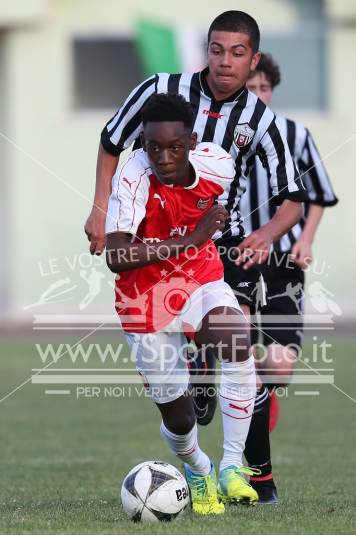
(257, 449)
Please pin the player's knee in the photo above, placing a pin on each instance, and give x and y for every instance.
(183, 425)
(278, 377)
(281, 359)
(276, 365)
(237, 345)
(233, 341)
(283, 374)
(230, 342)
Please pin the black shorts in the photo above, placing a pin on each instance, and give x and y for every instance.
(281, 320)
(274, 289)
(246, 284)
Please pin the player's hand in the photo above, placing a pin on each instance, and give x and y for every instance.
(95, 230)
(302, 253)
(212, 221)
(254, 249)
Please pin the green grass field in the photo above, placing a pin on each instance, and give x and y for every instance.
(63, 459)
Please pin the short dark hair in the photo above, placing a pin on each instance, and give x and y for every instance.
(237, 21)
(167, 107)
(270, 68)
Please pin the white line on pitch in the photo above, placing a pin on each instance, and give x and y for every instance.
(307, 393)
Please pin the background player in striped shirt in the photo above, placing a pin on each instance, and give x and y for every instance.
(226, 113)
(283, 272)
(161, 217)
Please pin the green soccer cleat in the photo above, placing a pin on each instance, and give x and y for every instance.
(234, 488)
(204, 493)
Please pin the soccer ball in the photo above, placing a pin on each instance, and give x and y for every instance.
(154, 491)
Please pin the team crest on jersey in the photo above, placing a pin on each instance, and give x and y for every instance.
(243, 134)
(203, 203)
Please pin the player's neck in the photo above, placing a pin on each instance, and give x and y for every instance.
(186, 179)
(190, 176)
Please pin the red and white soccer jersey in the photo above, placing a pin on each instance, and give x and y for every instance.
(148, 298)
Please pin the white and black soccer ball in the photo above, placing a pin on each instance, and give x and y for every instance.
(154, 491)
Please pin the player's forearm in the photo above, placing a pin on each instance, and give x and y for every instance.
(105, 170)
(315, 213)
(284, 219)
(126, 256)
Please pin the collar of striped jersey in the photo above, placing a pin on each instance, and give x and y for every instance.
(204, 88)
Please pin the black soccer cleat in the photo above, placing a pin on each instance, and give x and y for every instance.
(205, 402)
(266, 490)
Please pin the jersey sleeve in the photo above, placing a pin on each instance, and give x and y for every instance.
(130, 189)
(125, 126)
(314, 175)
(213, 163)
(276, 158)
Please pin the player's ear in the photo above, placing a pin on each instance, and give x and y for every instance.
(142, 140)
(255, 60)
(193, 140)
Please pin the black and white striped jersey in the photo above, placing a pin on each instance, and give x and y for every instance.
(256, 204)
(241, 124)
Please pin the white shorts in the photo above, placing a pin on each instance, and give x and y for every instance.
(161, 356)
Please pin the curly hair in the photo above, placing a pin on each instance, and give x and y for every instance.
(167, 107)
(270, 69)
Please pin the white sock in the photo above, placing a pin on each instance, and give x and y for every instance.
(237, 397)
(187, 449)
